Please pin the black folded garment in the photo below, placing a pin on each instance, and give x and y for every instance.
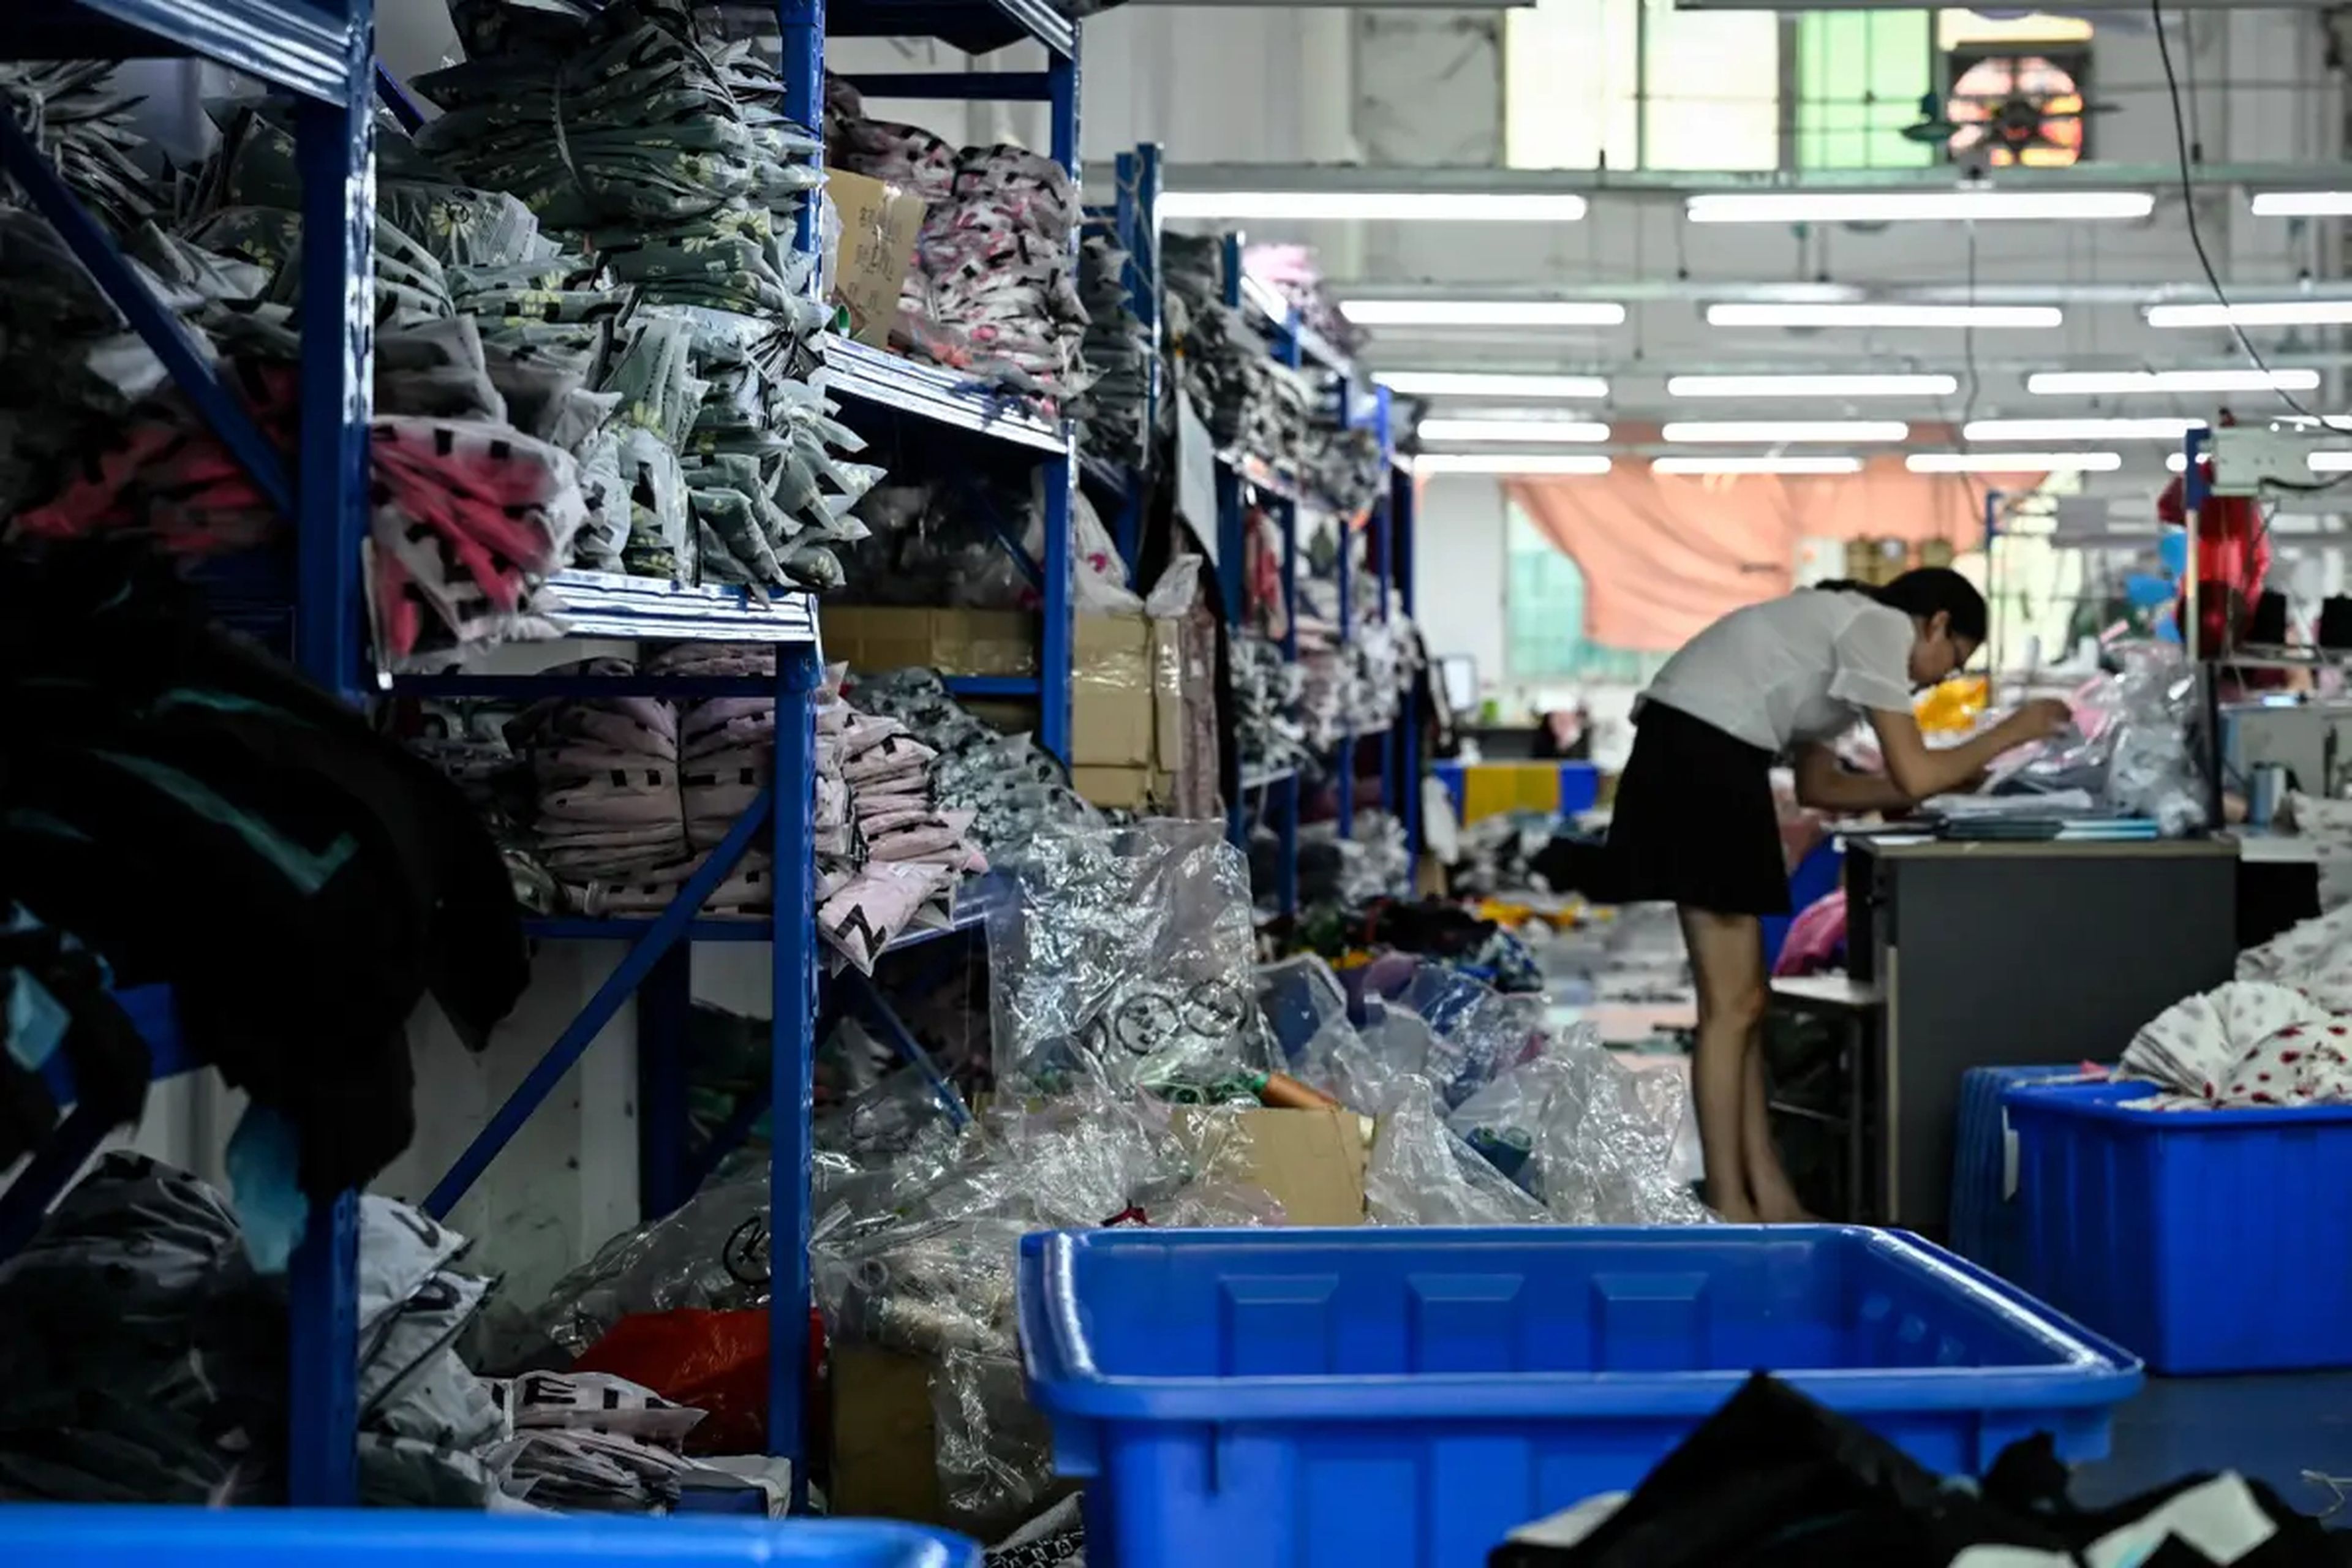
(1775, 1480)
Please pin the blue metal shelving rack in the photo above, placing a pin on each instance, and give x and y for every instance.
(950, 415)
(320, 53)
(1359, 403)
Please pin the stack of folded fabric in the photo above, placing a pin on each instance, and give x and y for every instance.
(894, 857)
(999, 254)
(1008, 788)
(608, 818)
(1118, 350)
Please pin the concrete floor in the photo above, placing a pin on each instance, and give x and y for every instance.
(2272, 1429)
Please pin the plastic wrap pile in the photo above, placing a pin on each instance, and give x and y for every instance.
(992, 288)
(1354, 871)
(1011, 790)
(1122, 982)
(608, 806)
(663, 329)
(1246, 399)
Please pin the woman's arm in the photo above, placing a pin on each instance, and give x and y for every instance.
(1921, 774)
(1826, 785)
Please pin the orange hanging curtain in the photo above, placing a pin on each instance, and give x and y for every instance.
(1664, 555)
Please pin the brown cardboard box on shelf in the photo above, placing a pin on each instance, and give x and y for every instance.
(1111, 692)
(1310, 1162)
(880, 225)
(884, 1437)
(953, 642)
(1121, 789)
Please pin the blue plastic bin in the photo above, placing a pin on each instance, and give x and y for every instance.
(1251, 1398)
(1987, 1224)
(2206, 1241)
(387, 1538)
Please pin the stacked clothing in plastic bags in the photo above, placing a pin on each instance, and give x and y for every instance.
(888, 854)
(660, 154)
(1268, 693)
(993, 287)
(1010, 789)
(468, 513)
(1119, 351)
(610, 804)
(1248, 401)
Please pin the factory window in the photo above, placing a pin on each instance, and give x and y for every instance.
(1636, 84)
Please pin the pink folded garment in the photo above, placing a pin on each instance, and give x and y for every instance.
(863, 918)
(864, 733)
(926, 839)
(649, 796)
(898, 758)
(831, 804)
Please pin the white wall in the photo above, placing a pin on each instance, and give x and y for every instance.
(1458, 568)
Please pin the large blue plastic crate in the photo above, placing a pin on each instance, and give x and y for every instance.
(1403, 1398)
(1987, 1227)
(388, 1538)
(2206, 1241)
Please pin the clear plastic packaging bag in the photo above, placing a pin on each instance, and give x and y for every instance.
(1124, 956)
(1420, 1173)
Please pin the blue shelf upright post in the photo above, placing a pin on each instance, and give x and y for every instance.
(1057, 635)
(1383, 565)
(792, 1058)
(334, 151)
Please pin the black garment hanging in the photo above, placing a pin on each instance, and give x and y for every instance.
(200, 815)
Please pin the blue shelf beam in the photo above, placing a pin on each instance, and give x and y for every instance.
(303, 48)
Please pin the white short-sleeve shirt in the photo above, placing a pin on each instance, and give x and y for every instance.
(1804, 668)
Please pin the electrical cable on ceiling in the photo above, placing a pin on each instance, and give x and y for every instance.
(2189, 205)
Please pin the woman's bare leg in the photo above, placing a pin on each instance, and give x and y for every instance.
(1726, 955)
(1767, 1179)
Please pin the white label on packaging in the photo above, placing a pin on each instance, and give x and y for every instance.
(1196, 476)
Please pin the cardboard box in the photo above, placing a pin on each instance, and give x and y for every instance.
(880, 225)
(1121, 789)
(1111, 718)
(884, 1437)
(953, 642)
(1310, 1162)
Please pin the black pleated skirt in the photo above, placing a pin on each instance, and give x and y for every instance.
(1695, 823)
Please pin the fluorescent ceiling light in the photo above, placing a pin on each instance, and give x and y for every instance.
(2013, 462)
(2256, 313)
(1510, 463)
(1506, 429)
(2165, 430)
(2303, 204)
(1768, 431)
(1483, 312)
(2331, 462)
(1753, 315)
(1489, 383)
(1787, 465)
(2050, 382)
(2176, 462)
(1811, 385)
(1915, 206)
(1375, 206)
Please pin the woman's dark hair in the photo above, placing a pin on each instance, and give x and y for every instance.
(1921, 593)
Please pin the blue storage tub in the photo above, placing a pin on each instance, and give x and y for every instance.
(1259, 1397)
(390, 1538)
(1986, 1225)
(2206, 1241)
